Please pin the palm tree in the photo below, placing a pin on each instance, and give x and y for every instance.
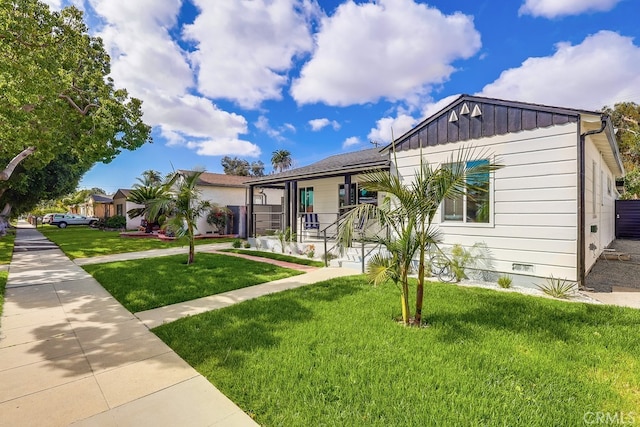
(281, 160)
(407, 211)
(148, 188)
(181, 203)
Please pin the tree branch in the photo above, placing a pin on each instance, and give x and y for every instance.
(6, 173)
(74, 105)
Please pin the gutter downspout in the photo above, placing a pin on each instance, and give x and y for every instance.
(581, 185)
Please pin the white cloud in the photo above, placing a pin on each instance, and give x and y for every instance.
(153, 67)
(319, 124)
(555, 8)
(352, 141)
(245, 48)
(602, 70)
(53, 4)
(263, 125)
(387, 127)
(394, 49)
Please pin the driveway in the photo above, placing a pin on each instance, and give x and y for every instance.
(614, 275)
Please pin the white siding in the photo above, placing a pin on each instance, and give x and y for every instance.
(604, 216)
(534, 199)
(132, 224)
(222, 196)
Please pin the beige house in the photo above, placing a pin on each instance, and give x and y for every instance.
(122, 206)
(97, 205)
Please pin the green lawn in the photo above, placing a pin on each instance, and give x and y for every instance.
(84, 242)
(6, 252)
(155, 282)
(330, 354)
(276, 256)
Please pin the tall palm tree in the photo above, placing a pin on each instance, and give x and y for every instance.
(408, 212)
(181, 203)
(281, 160)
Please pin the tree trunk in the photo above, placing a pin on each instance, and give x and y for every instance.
(420, 287)
(6, 173)
(4, 222)
(192, 246)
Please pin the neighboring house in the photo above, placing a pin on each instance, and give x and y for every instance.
(231, 191)
(97, 205)
(122, 206)
(549, 211)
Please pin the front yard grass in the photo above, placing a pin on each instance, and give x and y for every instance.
(6, 253)
(84, 242)
(155, 282)
(276, 256)
(330, 354)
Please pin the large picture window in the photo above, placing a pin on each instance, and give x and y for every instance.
(305, 199)
(472, 206)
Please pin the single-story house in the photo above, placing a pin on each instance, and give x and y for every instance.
(122, 206)
(97, 205)
(549, 211)
(231, 191)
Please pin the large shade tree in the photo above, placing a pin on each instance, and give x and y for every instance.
(407, 211)
(56, 96)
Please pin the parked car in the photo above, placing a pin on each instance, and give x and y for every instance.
(47, 218)
(62, 220)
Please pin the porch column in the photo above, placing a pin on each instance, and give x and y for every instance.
(347, 190)
(294, 205)
(287, 205)
(250, 229)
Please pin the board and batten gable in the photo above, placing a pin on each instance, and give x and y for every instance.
(533, 222)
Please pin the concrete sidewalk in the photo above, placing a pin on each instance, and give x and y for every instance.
(71, 354)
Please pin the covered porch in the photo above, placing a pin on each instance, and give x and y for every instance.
(315, 195)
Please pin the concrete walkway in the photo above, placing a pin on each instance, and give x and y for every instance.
(71, 354)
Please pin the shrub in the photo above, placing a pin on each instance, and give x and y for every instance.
(247, 245)
(237, 243)
(116, 221)
(505, 281)
(557, 288)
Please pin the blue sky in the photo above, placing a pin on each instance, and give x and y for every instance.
(247, 77)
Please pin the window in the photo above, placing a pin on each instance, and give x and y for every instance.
(356, 196)
(474, 205)
(119, 209)
(352, 196)
(306, 199)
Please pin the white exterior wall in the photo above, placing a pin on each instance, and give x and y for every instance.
(603, 217)
(533, 197)
(132, 224)
(222, 196)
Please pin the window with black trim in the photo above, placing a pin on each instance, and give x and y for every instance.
(474, 205)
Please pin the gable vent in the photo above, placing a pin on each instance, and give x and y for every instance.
(476, 111)
(453, 117)
(464, 109)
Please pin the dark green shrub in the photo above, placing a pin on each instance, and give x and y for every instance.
(237, 243)
(116, 221)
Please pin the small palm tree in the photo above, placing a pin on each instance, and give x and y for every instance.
(181, 203)
(149, 187)
(407, 211)
(281, 160)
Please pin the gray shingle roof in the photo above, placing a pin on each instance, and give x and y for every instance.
(356, 161)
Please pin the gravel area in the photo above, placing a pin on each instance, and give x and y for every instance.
(608, 273)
